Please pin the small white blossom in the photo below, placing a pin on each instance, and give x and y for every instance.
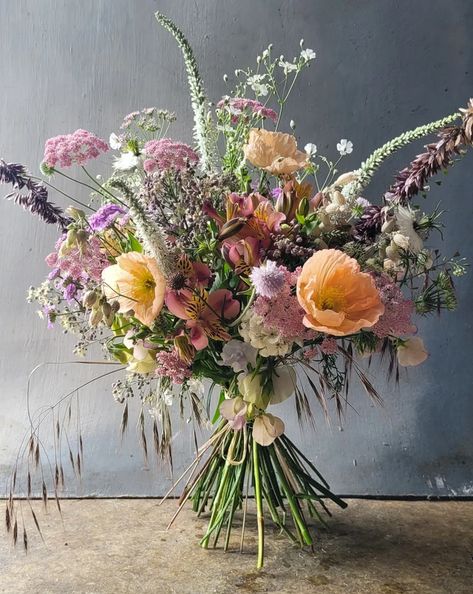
(292, 124)
(310, 148)
(268, 342)
(114, 142)
(258, 85)
(345, 147)
(126, 162)
(237, 354)
(287, 66)
(307, 55)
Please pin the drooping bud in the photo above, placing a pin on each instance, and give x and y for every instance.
(231, 227)
(284, 203)
(184, 348)
(89, 299)
(303, 208)
(95, 317)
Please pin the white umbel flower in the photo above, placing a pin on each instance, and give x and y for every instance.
(268, 342)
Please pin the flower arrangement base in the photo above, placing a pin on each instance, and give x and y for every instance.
(281, 479)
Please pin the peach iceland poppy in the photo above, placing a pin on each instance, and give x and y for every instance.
(138, 285)
(274, 151)
(337, 297)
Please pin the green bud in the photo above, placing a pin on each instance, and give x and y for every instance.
(75, 213)
(89, 299)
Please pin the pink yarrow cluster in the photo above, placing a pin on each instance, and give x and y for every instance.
(238, 106)
(167, 154)
(398, 311)
(79, 264)
(76, 148)
(281, 312)
(172, 366)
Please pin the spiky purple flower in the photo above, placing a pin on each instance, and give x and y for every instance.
(36, 198)
(268, 279)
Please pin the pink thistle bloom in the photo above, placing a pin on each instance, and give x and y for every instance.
(167, 154)
(73, 149)
(169, 364)
(240, 107)
(268, 279)
(398, 311)
(204, 313)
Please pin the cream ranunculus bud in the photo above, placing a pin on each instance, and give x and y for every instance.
(401, 241)
(411, 352)
(266, 428)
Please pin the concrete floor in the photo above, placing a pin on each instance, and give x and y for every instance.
(121, 546)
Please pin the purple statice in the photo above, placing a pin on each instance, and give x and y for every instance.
(172, 366)
(106, 216)
(166, 154)
(70, 291)
(268, 279)
(35, 199)
(239, 107)
(76, 148)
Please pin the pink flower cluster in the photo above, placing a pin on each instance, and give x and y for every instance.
(398, 311)
(76, 148)
(79, 264)
(282, 313)
(238, 106)
(167, 154)
(172, 366)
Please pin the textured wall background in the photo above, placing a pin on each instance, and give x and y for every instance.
(382, 67)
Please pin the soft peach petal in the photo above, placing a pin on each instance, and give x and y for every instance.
(266, 428)
(337, 297)
(412, 352)
(274, 151)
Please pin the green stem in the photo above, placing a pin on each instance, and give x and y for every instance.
(259, 505)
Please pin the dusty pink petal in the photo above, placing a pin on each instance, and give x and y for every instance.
(197, 335)
(177, 303)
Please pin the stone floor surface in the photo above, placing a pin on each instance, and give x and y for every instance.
(122, 547)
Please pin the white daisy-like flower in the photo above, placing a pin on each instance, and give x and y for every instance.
(308, 54)
(345, 147)
(126, 162)
(310, 148)
(405, 219)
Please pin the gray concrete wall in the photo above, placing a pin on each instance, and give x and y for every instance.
(383, 66)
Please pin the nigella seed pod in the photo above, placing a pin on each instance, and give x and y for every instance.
(89, 299)
(106, 309)
(95, 317)
(231, 227)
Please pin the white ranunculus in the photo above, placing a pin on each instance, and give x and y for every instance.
(238, 354)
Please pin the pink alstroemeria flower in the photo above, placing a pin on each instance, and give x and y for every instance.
(196, 274)
(204, 313)
(243, 254)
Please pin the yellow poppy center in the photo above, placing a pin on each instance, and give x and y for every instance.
(331, 298)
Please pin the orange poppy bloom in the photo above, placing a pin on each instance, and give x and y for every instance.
(274, 151)
(337, 297)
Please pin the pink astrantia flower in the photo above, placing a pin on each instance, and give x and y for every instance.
(240, 107)
(204, 313)
(167, 154)
(398, 311)
(73, 149)
(169, 364)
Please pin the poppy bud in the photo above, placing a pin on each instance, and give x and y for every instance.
(89, 299)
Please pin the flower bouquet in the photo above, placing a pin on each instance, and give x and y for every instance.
(231, 276)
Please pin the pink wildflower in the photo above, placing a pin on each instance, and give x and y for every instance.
(167, 154)
(172, 366)
(282, 313)
(268, 279)
(80, 264)
(76, 148)
(240, 106)
(398, 311)
(329, 346)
